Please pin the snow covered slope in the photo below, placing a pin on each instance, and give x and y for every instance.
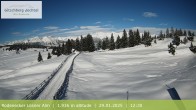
(57, 81)
(143, 71)
(21, 73)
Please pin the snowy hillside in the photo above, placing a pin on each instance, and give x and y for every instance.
(21, 73)
(143, 71)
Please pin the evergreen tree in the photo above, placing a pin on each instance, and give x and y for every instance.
(167, 33)
(155, 39)
(63, 49)
(112, 44)
(118, 42)
(191, 45)
(81, 43)
(104, 45)
(192, 48)
(73, 44)
(124, 39)
(172, 32)
(189, 33)
(137, 38)
(54, 51)
(147, 39)
(184, 34)
(58, 52)
(176, 40)
(68, 47)
(39, 59)
(131, 39)
(107, 43)
(99, 45)
(77, 46)
(171, 49)
(90, 43)
(49, 56)
(161, 36)
(185, 40)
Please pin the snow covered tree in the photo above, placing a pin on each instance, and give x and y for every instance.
(185, 40)
(171, 49)
(131, 39)
(39, 59)
(112, 44)
(49, 56)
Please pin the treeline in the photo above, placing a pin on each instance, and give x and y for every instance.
(82, 44)
(87, 43)
(24, 46)
(175, 35)
(128, 39)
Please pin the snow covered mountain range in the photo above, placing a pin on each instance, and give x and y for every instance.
(54, 40)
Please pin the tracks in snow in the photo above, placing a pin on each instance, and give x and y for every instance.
(54, 83)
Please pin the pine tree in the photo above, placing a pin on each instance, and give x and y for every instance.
(147, 39)
(191, 45)
(172, 32)
(176, 40)
(124, 39)
(77, 47)
(103, 45)
(192, 48)
(99, 45)
(73, 44)
(54, 51)
(161, 36)
(81, 43)
(39, 59)
(171, 49)
(185, 40)
(137, 38)
(107, 43)
(112, 44)
(184, 34)
(118, 42)
(68, 46)
(49, 56)
(63, 49)
(167, 33)
(155, 39)
(90, 43)
(131, 39)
